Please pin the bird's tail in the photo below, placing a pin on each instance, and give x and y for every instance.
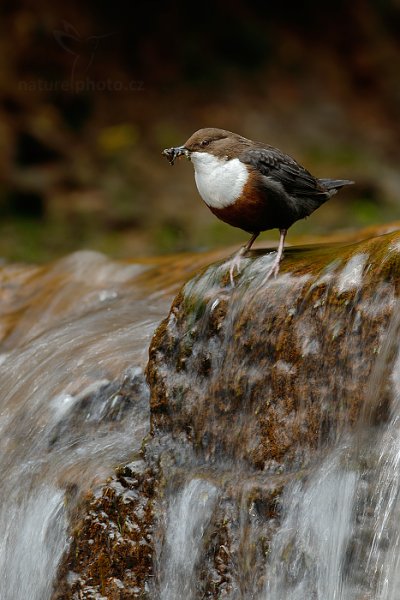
(332, 185)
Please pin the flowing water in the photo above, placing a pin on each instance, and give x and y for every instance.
(309, 552)
(73, 330)
(75, 335)
(188, 517)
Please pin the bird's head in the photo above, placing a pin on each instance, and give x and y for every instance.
(215, 141)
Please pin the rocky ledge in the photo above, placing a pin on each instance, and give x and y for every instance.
(249, 387)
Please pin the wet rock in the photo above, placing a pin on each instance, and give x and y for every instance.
(260, 380)
(103, 404)
(248, 388)
(110, 554)
(262, 374)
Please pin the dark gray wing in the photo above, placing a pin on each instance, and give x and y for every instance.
(283, 169)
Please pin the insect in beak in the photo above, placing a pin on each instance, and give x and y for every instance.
(173, 153)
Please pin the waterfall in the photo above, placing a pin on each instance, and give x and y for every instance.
(79, 340)
(259, 461)
(308, 555)
(189, 514)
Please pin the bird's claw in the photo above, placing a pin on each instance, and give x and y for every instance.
(235, 266)
(273, 271)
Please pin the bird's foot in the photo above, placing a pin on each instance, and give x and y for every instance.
(236, 260)
(235, 265)
(273, 270)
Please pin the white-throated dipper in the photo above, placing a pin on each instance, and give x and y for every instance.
(252, 185)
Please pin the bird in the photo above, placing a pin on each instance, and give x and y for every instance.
(253, 186)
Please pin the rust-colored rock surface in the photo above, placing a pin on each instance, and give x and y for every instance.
(110, 554)
(264, 373)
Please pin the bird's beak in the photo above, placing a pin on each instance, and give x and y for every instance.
(172, 153)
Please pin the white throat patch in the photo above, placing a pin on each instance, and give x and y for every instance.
(220, 182)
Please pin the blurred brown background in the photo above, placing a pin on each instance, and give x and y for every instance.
(90, 93)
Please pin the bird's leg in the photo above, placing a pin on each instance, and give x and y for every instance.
(279, 254)
(235, 262)
(274, 270)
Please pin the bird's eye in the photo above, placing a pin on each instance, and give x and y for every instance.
(204, 142)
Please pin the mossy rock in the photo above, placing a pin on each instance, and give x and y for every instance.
(249, 387)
